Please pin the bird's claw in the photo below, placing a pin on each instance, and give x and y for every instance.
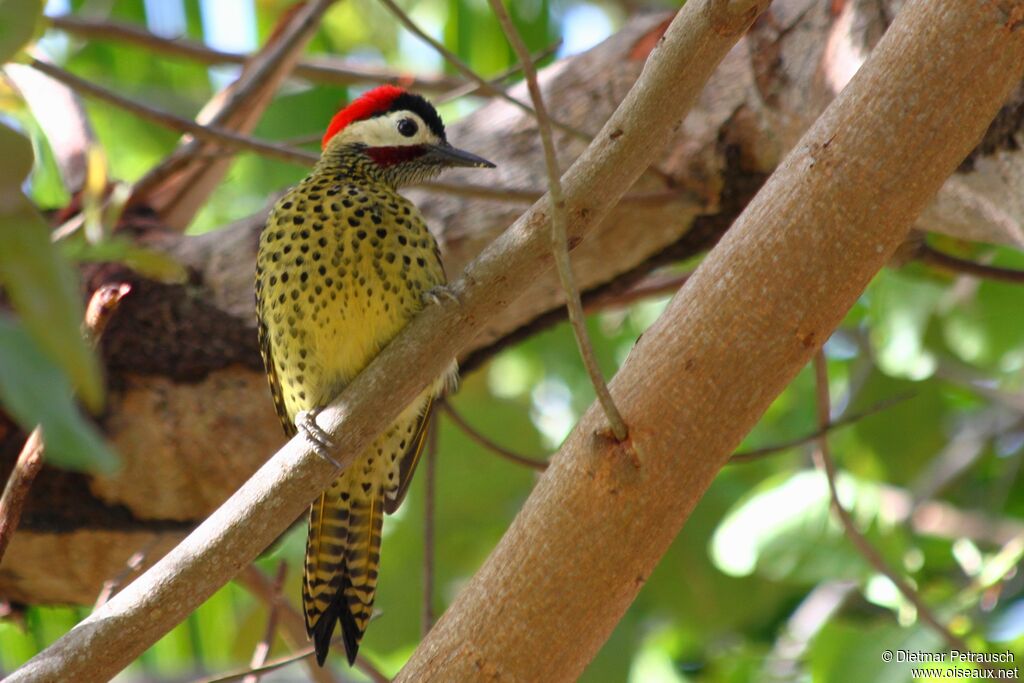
(320, 440)
(435, 294)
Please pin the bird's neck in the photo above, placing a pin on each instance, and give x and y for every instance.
(353, 161)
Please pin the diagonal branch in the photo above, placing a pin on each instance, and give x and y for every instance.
(937, 258)
(748, 319)
(559, 238)
(177, 197)
(112, 636)
(483, 85)
(496, 81)
(772, 296)
(320, 69)
(490, 445)
(175, 122)
(756, 454)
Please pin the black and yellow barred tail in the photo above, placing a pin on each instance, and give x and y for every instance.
(342, 555)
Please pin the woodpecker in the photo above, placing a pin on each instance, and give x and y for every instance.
(344, 263)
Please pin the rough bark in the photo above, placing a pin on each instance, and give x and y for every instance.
(190, 412)
(114, 634)
(755, 311)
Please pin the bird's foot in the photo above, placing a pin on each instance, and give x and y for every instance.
(435, 294)
(305, 422)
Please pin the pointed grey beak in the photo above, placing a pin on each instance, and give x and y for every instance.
(446, 155)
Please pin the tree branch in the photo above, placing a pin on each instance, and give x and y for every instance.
(749, 318)
(483, 85)
(322, 69)
(293, 627)
(177, 123)
(954, 264)
(824, 462)
(756, 454)
(490, 445)
(111, 637)
(559, 238)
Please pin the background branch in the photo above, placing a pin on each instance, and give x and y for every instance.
(319, 69)
(823, 460)
(559, 238)
(174, 122)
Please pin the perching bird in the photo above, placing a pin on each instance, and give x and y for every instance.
(344, 263)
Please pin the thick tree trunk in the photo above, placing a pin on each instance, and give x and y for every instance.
(190, 411)
(114, 634)
(759, 306)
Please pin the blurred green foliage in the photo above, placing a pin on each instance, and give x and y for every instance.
(732, 599)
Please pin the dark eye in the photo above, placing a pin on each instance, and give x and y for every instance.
(407, 127)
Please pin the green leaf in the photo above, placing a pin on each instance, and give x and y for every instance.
(17, 160)
(39, 281)
(845, 650)
(20, 18)
(35, 392)
(155, 265)
(785, 531)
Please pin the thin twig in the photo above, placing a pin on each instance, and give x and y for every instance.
(30, 460)
(463, 90)
(429, 520)
(658, 284)
(948, 262)
(527, 196)
(468, 89)
(272, 665)
(559, 238)
(100, 309)
(324, 69)
(174, 122)
(473, 434)
(485, 87)
(823, 461)
(111, 586)
(263, 647)
(759, 453)
(293, 627)
(275, 60)
(236, 109)
(12, 502)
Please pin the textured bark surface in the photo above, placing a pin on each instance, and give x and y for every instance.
(190, 412)
(745, 323)
(121, 629)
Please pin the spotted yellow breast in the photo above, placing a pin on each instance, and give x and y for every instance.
(342, 267)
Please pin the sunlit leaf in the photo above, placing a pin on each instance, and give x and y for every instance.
(38, 280)
(900, 307)
(782, 530)
(35, 392)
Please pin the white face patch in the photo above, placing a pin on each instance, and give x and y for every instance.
(387, 131)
